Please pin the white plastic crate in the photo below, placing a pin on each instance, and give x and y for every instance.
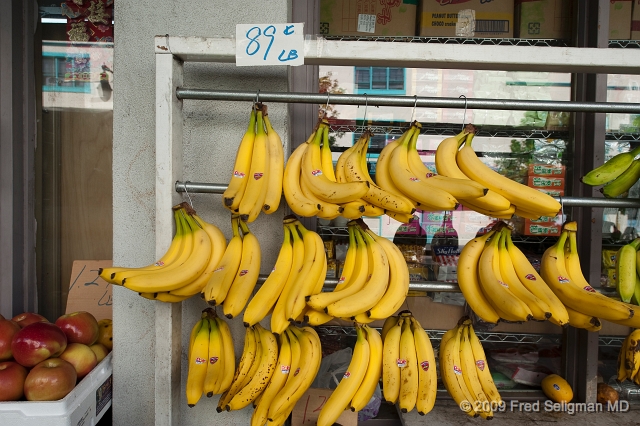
(83, 406)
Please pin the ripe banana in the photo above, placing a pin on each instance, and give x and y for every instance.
(390, 369)
(611, 168)
(315, 318)
(383, 170)
(198, 356)
(218, 286)
(256, 190)
(275, 153)
(247, 360)
(451, 372)
(409, 371)
(580, 320)
(341, 396)
(482, 369)
(624, 182)
(427, 375)
(327, 210)
(470, 376)
(520, 195)
(233, 194)
(267, 295)
(626, 270)
(293, 194)
(215, 360)
(374, 370)
(387, 325)
(228, 354)
(468, 279)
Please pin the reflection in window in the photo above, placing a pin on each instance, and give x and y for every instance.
(63, 72)
(380, 80)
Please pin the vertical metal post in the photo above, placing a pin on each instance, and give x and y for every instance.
(580, 346)
(17, 156)
(168, 316)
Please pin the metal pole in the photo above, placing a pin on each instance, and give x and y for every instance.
(219, 188)
(409, 101)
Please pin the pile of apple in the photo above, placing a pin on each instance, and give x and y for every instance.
(43, 361)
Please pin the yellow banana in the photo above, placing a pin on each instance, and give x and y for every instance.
(374, 370)
(522, 196)
(383, 169)
(197, 369)
(388, 323)
(496, 289)
(233, 194)
(263, 374)
(228, 354)
(246, 277)
(409, 371)
(315, 318)
(320, 184)
(275, 385)
(349, 259)
(327, 210)
(255, 192)
(296, 200)
(341, 396)
(632, 354)
(539, 308)
(482, 369)
(177, 277)
(373, 211)
(580, 320)
(353, 209)
(400, 217)
(468, 279)
(471, 379)
(326, 157)
(374, 288)
(247, 361)
(390, 369)
(215, 360)
(530, 278)
(451, 373)
(267, 295)
(217, 288)
(275, 151)
(164, 297)
(418, 189)
(589, 302)
(427, 375)
(499, 214)
(623, 373)
(398, 287)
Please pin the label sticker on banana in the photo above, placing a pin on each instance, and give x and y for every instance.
(200, 361)
(424, 365)
(316, 172)
(563, 280)
(238, 174)
(457, 369)
(590, 289)
(284, 369)
(257, 176)
(347, 374)
(480, 364)
(530, 277)
(503, 284)
(243, 272)
(213, 359)
(401, 363)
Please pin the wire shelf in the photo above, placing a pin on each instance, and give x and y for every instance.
(454, 40)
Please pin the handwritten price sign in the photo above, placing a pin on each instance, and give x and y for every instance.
(269, 44)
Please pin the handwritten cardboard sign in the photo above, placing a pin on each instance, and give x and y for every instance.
(269, 44)
(87, 291)
(308, 408)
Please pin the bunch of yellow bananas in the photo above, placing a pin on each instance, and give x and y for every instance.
(373, 285)
(628, 272)
(465, 372)
(359, 381)
(211, 358)
(185, 268)
(629, 358)
(300, 271)
(236, 274)
(256, 181)
(408, 364)
(617, 175)
(273, 373)
(561, 271)
(499, 282)
(503, 197)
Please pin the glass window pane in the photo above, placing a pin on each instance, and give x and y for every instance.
(362, 78)
(396, 78)
(379, 78)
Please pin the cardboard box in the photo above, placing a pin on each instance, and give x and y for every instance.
(308, 408)
(620, 12)
(87, 291)
(635, 20)
(545, 170)
(545, 182)
(544, 19)
(368, 17)
(471, 18)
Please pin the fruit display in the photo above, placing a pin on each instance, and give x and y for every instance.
(211, 358)
(616, 175)
(629, 358)
(374, 281)
(44, 361)
(408, 364)
(184, 269)
(256, 182)
(465, 372)
(627, 272)
(236, 274)
(300, 271)
(499, 283)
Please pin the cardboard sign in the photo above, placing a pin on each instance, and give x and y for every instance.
(87, 291)
(308, 408)
(269, 44)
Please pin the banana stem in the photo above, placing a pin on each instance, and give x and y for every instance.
(245, 227)
(235, 226)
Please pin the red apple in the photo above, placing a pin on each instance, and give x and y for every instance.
(12, 376)
(37, 342)
(27, 318)
(100, 350)
(80, 327)
(50, 380)
(8, 329)
(81, 357)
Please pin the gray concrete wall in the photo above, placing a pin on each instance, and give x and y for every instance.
(212, 131)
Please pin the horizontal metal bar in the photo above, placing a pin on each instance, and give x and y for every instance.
(331, 283)
(408, 101)
(620, 203)
(320, 51)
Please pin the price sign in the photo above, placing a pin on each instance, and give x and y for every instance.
(269, 44)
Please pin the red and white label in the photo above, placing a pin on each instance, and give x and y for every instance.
(503, 284)
(284, 369)
(238, 174)
(457, 369)
(316, 172)
(480, 364)
(213, 359)
(257, 176)
(530, 277)
(243, 272)
(424, 365)
(401, 362)
(200, 361)
(563, 280)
